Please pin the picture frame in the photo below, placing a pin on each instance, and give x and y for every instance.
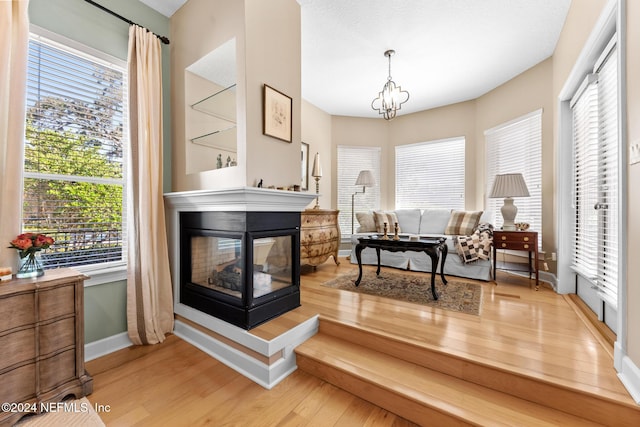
(277, 120)
(304, 157)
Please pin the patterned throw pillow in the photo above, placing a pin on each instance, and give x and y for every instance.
(389, 217)
(463, 223)
(476, 246)
(467, 247)
(367, 224)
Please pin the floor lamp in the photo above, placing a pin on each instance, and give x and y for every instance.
(509, 185)
(366, 179)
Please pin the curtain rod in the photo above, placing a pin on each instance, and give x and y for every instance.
(163, 39)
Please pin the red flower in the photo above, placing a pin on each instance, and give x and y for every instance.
(28, 243)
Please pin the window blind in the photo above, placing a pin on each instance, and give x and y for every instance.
(431, 174)
(516, 146)
(596, 156)
(351, 160)
(74, 169)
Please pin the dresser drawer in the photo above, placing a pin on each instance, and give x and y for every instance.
(57, 335)
(18, 384)
(16, 347)
(516, 246)
(17, 310)
(56, 302)
(57, 370)
(313, 236)
(515, 237)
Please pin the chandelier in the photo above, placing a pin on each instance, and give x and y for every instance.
(391, 98)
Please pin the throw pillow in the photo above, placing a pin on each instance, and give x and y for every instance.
(389, 217)
(467, 247)
(367, 224)
(462, 222)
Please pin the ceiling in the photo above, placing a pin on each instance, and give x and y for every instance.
(447, 51)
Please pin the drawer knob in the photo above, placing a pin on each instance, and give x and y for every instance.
(504, 237)
(526, 239)
(504, 245)
(526, 246)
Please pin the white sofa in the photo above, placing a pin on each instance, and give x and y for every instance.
(427, 222)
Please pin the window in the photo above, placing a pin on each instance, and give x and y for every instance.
(430, 174)
(351, 160)
(595, 143)
(74, 167)
(516, 146)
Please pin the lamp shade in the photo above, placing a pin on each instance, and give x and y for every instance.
(366, 179)
(316, 172)
(509, 185)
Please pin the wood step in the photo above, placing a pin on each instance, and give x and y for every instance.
(608, 409)
(421, 395)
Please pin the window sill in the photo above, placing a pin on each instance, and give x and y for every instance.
(106, 273)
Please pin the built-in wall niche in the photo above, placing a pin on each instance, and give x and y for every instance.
(210, 110)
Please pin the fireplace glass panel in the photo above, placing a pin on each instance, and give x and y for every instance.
(272, 264)
(216, 263)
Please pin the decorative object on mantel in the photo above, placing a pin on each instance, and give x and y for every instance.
(276, 120)
(509, 185)
(317, 174)
(5, 273)
(29, 246)
(391, 98)
(366, 179)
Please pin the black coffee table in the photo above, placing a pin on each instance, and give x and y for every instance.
(432, 246)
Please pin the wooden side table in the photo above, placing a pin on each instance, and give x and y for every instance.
(517, 241)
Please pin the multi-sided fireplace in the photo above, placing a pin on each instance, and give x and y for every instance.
(241, 267)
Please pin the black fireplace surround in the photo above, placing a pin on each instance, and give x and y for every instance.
(240, 267)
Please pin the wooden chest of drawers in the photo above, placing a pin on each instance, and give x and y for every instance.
(517, 241)
(42, 340)
(319, 236)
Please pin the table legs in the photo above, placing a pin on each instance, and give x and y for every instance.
(359, 248)
(433, 254)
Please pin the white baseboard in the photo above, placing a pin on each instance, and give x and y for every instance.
(628, 372)
(267, 375)
(102, 347)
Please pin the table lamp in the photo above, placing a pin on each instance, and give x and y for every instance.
(509, 185)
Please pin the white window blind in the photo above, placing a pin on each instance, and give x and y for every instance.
(585, 171)
(430, 174)
(351, 160)
(74, 170)
(512, 147)
(595, 139)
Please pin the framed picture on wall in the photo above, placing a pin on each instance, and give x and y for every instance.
(304, 156)
(276, 114)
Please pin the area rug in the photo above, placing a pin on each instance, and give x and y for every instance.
(70, 413)
(457, 295)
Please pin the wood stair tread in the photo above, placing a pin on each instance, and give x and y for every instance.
(463, 400)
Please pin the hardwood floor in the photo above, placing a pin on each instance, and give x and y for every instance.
(535, 332)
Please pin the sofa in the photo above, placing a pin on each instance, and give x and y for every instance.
(457, 226)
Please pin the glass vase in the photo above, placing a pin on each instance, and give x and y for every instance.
(30, 266)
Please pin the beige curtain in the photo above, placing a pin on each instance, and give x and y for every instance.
(149, 294)
(14, 43)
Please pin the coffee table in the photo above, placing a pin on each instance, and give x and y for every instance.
(432, 246)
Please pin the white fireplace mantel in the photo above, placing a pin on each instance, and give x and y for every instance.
(244, 199)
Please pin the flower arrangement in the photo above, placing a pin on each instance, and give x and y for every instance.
(28, 245)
